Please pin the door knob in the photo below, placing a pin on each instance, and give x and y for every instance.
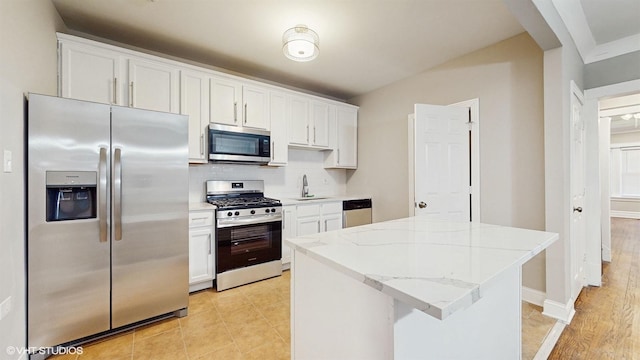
(422, 205)
(578, 209)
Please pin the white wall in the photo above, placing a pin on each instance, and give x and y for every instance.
(507, 80)
(28, 64)
(279, 182)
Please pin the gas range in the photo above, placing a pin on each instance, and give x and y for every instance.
(248, 232)
(237, 200)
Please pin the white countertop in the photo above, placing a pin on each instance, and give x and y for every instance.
(318, 199)
(195, 206)
(435, 266)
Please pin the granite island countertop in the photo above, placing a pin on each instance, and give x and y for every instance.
(435, 266)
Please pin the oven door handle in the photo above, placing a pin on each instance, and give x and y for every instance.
(265, 219)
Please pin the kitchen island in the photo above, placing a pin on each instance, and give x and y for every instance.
(412, 288)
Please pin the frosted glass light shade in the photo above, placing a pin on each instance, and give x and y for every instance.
(300, 43)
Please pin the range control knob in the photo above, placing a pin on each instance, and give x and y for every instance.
(229, 213)
(237, 213)
(253, 212)
(267, 210)
(273, 210)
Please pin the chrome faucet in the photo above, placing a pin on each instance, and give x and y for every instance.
(305, 186)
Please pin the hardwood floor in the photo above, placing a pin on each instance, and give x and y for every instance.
(607, 320)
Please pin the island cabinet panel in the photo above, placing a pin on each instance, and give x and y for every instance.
(335, 317)
(413, 288)
(356, 321)
(488, 329)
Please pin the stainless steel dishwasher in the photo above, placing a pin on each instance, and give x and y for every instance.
(356, 212)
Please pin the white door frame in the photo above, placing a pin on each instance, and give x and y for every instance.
(474, 116)
(474, 111)
(597, 197)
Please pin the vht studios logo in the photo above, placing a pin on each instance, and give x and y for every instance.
(72, 350)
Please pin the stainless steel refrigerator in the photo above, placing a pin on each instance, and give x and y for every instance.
(107, 209)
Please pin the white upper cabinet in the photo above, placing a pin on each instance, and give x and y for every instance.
(237, 104)
(343, 132)
(309, 122)
(278, 120)
(319, 124)
(153, 85)
(194, 101)
(255, 109)
(93, 71)
(298, 111)
(90, 73)
(225, 102)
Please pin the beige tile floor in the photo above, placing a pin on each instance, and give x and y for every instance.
(248, 322)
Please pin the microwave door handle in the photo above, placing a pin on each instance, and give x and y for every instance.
(117, 193)
(102, 195)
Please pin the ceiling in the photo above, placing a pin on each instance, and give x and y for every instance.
(601, 29)
(364, 44)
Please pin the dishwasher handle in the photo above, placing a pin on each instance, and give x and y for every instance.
(356, 204)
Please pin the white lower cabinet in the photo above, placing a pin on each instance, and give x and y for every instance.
(202, 268)
(288, 231)
(309, 219)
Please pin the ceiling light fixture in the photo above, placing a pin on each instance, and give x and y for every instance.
(300, 43)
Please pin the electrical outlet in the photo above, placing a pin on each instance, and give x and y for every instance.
(5, 307)
(8, 160)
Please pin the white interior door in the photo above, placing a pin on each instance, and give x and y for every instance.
(578, 223)
(441, 162)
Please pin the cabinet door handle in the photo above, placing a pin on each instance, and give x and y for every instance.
(284, 216)
(314, 134)
(307, 133)
(131, 95)
(245, 113)
(273, 150)
(201, 144)
(235, 112)
(326, 226)
(115, 90)
(209, 236)
(338, 162)
(318, 225)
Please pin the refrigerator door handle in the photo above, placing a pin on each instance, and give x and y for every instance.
(117, 193)
(102, 196)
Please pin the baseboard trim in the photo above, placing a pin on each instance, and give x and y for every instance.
(556, 310)
(550, 341)
(625, 214)
(533, 296)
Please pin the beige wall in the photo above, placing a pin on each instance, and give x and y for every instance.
(507, 78)
(27, 64)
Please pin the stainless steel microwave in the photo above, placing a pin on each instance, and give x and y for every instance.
(239, 145)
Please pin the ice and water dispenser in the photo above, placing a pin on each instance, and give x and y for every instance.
(71, 195)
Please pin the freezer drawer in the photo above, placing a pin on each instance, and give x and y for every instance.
(356, 212)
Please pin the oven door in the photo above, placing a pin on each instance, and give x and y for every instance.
(246, 245)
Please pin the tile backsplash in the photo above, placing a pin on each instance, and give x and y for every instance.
(279, 182)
